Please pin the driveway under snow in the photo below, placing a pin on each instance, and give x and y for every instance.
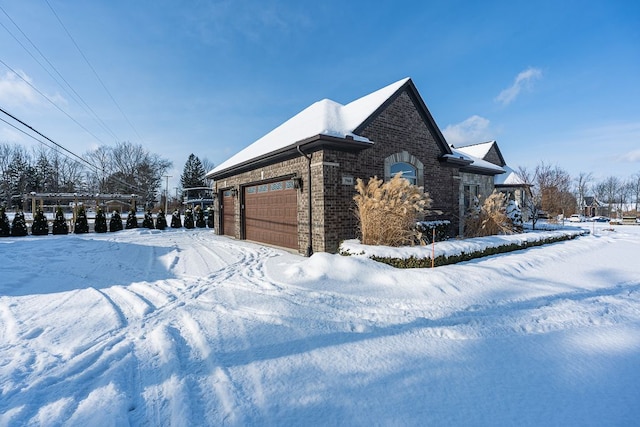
(183, 327)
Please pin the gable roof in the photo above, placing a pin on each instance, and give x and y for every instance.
(477, 165)
(481, 150)
(509, 179)
(327, 120)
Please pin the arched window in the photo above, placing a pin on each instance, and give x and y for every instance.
(407, 164)
(407, 170)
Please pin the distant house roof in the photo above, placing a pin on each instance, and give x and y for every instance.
(482, 149)
(509, 178)
(477, 164)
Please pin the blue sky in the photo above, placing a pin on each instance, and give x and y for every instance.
(553, 81)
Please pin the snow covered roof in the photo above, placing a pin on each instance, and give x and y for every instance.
(510, 177)
(325, 117)
(478, 163)
(477, 150)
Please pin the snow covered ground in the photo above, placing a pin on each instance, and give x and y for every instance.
(184, 327)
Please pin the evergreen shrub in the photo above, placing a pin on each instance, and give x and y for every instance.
(19, 225)
(40, 225)
(210, 222)
(115, 223)
(100, 225)
(147, 222)
(5, 224)
(132, 220)
(161, 220)
(60, 225)
(200, 221)
(81, 225)
(188, 219)
(176, 221)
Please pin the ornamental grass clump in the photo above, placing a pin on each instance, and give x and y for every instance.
(490, 219)
(388, 211)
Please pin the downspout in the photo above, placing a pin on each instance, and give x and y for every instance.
(310, 245)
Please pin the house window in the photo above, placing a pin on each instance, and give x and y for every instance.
(407, 170)
(471, 194)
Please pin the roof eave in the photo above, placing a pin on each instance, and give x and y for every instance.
(308, 145)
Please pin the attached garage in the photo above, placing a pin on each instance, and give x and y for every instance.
(270, 213)
(228, 207)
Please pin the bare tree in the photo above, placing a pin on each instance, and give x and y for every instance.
(550, 191)
(582, 185)
(208, 166)
(128, 169)
(635, 191)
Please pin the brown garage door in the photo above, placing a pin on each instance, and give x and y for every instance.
(271, 214)
(228, 213)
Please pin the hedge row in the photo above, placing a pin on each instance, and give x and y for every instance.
(40, 226)
(413, 262)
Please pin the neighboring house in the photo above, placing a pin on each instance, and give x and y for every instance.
(593, 207)
(508, 182)
(303, 172)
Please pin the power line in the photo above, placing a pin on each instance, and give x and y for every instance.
(73, 94)
(79, 158)
(48, 99)
(93, 70)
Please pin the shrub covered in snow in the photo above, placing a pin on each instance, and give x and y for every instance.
(188, 219)
(176, 221)
(19, 225)
(100, 224)
(388, 211)
(147, 222)
(132, 220)
(40, 225)
(210, 222)
(200, 222)
(427, 229)
(161, 220)
(5, 224)
(514, 213)
(115, 223)
(60, 225)
(81, 224)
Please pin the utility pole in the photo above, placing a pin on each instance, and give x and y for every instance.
(166, 193)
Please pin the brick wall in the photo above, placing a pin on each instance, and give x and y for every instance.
(399, 128)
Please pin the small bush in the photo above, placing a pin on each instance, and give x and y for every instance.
(188, 219)
(115, 223)
(40, 225)
(210, 222)
(387, 211)
(161, 220)
(426, 230)
(176, 221)
(60, 225)
(147, 222)
(132, 220)
(100, 224)
(81, 224)
(5, 224)
(200, 222)
(19, 225)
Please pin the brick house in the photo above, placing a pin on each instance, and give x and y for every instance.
(508, 182)
(303, 172)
